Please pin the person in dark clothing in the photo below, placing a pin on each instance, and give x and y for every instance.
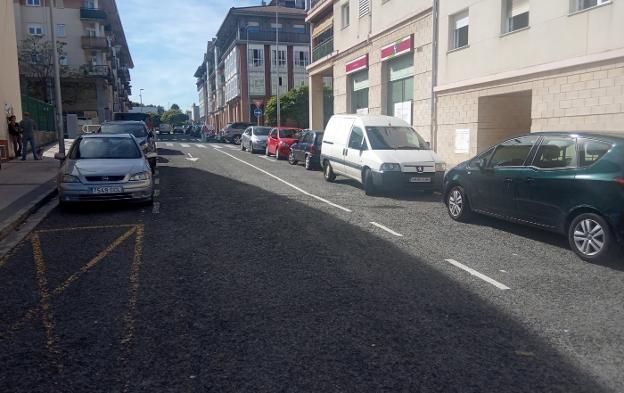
(15, 133)
(28, 126)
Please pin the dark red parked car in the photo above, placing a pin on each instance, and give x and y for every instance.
(279, 141)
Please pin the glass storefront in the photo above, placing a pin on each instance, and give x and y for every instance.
(401, 87)
(359, 92)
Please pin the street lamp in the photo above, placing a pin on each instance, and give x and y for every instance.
(57, 82)
(141, 98)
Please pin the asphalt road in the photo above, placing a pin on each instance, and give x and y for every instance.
(249, 274)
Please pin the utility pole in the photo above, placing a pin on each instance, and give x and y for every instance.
(277, 63)
(57, 82)
(247, 69)
(141, 98)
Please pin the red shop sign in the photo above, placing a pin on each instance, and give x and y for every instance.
(404, 45)
(361, 63)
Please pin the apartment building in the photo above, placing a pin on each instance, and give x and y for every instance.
(9, 78)
(508, 67)
(257, 50)
(377, 55)
(96, 79)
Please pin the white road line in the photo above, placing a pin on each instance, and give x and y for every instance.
(216, 146)
(385, 228)
(184, 145)
(156, 208)
(477, 274)
(267, 158)
(169, 144)
(201, 146)
(289, 184)
(156, 193)
(157, 181)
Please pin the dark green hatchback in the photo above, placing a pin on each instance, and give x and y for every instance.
(571, 183)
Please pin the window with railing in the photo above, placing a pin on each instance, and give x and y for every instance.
(278, 56)
(301, 57)
(255, 56)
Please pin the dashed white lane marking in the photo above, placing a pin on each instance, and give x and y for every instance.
(477, 274)
(232, 147)
(184, 145)
(200, 146)
(216, 146)
(385, 228)
(169, 144)
(157, 181)
(289, 184)
(267, 158)
(156, 208)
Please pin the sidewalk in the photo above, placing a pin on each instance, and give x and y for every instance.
(25, 186)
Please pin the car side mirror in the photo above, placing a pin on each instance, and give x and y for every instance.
(482, 164)
(59, 156)
(428, 145)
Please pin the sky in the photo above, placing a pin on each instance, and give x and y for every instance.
(167, 41)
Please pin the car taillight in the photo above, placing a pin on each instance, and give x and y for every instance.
(313, 149)
(619, 180)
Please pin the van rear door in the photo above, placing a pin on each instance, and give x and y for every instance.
(335, 142)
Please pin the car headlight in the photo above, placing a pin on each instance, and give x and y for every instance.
(440, 166)
(70, 179)
(140, 176)
(390, 167)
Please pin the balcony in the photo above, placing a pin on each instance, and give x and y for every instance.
(318, 8)
(92, 14)
(96, 70)
(269, 36)
(89, 42)
(322, 50)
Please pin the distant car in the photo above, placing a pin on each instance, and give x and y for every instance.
(178, 130)
(164, 129)
(307, 149)
(570, 183)
(145, 137)
(104, 167)
(279, 141)
(254, 138)
(232, 132)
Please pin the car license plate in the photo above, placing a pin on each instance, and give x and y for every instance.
(420, 180)
(106, 190)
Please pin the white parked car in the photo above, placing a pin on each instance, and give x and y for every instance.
(383, 153)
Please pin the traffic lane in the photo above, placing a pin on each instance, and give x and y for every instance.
(253, 300)
(554, 292)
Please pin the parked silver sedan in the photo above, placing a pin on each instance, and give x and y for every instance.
(254, 139)
(105, 167)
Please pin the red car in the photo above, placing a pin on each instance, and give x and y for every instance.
(279, 141)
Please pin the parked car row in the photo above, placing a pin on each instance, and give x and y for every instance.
(569, 183)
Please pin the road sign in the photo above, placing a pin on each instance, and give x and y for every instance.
(258, 103)
(258, 112)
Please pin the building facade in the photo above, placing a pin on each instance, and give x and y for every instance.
(377, 55)
(513, 66)
(95, 65)
(257, 51)
(9, 79)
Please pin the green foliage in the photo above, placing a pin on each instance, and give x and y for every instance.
(294, 108)
(36, 63)
(174, 107)
(175, 117)
(155, 119)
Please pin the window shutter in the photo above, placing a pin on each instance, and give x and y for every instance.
(461, 20)
(364, 7)
(519, 7)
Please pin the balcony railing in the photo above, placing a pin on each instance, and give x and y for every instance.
(96, 70)
(323, 49)
(92, 13)
(89, 42)
(315, 3)
(269, 36)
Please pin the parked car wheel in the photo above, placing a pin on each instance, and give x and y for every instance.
(277, 154)
(367, 181)
(236, 140)
(457, 204)
(251, 148)
(308, 162)
(590, 237)
(328, 172)
(243, 147)
(291, 158)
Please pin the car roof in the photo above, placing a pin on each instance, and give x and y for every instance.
(120, 135)
(115, 122)
(286, 128)
(607, 136)
(376, 120)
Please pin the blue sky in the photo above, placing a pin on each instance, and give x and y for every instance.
(167, 41)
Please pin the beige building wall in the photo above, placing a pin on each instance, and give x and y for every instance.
(565, 72)
(10, 98)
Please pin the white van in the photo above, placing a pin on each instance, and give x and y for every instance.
(381, 152)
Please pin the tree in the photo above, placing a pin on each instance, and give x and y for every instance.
(36, 64)
(174, 117)
(155, 117)
(293, 108)
(174, 107)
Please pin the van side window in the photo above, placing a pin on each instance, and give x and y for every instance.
(356, 138)
(591, 151)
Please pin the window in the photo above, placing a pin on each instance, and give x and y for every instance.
(302, 57)
(33, 3)
(513, 152)
(63, 60)
(401, 87)
(283, 84)
(256, 83)
(300, 80)
(91, 32)
(299, 28)
(253, 27)
(255, 55)
(276, 26)
(556, 152)
(345, 15)
(278, 56)
(356, 138)
(89, 4)
(580, 5)
(591, 151)
(459, 30)
(35, 29)
(395, 138)
(60, 30)
(364, 8)
(516, 15)
(359, 91)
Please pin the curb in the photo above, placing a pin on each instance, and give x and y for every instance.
(10, 224)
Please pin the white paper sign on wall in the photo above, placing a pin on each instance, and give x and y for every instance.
(462, 141)
(403, 110)
(362, 111)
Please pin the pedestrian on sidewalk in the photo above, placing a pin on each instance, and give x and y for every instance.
(28, 126)
(15, 133)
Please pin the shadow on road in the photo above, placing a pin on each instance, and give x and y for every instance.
(169, 152)
(240, 294)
